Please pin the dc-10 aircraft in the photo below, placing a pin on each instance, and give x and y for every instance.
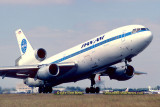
(84, 61)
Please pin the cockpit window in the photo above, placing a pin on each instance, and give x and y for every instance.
(143, 28)
(134, 31)
(139, 29)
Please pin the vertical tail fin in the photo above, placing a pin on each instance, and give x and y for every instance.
(127, 89)
(23, 43)
(149, 87)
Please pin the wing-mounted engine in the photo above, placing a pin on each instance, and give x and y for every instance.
(121, 73)
(33, 83)
(47, 72)
(32, 57)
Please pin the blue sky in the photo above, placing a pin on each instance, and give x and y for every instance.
(57, 25)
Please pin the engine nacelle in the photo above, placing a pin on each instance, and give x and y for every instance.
(40, 54)
(32, 57)
(121, 74)
(47, 72)
(33, 83)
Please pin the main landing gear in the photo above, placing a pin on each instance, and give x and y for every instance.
(92, 89)
(128, 60)
(45, 89)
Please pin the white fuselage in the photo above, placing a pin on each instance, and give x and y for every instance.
(102, 51)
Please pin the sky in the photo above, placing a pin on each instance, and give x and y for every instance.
(57, 25)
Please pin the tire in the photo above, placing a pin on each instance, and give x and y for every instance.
(40, 90)
(97, 89)
(45, 90)
(87, 90)
(50, 90)
(92, 90)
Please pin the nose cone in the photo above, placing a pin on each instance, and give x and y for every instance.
(149, 37)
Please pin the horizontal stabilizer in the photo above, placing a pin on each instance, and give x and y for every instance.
(139, 73)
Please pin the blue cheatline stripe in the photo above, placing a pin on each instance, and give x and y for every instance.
(96, 45)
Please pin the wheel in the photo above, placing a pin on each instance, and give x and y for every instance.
(92, 90)
(50, 90)
(97, 89)
(40, 89)
(46, 89)
(87, 90)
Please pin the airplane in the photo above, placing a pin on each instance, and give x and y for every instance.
(126, 90)
(153, 91)
(84, 61)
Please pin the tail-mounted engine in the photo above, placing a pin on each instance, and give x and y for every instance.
(121, 74)
(40, 54)
(32, 57)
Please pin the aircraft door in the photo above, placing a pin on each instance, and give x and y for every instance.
(124, 45)
(123, 36)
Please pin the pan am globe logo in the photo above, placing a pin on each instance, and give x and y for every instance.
(24, 46)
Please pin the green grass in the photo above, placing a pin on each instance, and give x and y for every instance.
(51, 100)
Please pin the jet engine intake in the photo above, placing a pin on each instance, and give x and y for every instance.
(40, 54)
(122, 73)
(47, 72)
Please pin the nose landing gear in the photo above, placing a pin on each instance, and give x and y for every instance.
(92, 89)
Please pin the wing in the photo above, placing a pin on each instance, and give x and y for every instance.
(20, 72)
(23, 72)
(108, 70)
